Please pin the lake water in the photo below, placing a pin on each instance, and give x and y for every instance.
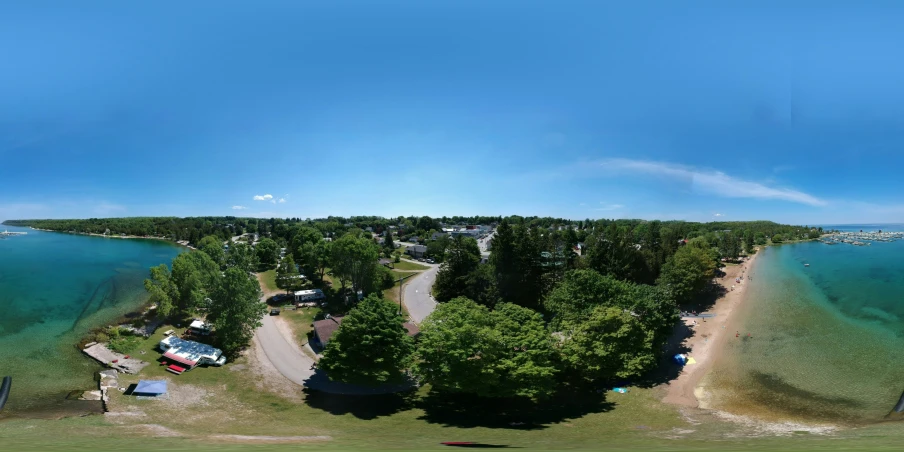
(54, 288)
(827, 340)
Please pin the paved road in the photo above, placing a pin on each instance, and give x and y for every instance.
(295, 365)
(288, 360)
(417, 296)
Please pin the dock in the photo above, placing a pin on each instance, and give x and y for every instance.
(6, 233)
(123, 363)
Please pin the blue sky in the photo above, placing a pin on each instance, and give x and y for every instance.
(788, 111)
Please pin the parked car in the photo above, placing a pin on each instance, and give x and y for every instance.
(429, 261)
(274, 311)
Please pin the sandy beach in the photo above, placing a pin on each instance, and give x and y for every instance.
(710, 335)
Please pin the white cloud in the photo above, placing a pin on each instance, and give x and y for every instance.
(272, 201)
(717, 214)
(266, 197)
(106, 208)
(712, 182)
(239, 207)
(282, 200)
(609, 206)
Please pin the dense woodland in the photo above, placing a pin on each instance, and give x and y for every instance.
(560, 304)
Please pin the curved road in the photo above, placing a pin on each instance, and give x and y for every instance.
(298, 367)
(417, 297)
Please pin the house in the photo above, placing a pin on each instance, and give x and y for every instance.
(190, 353)
(414, 239)
(386, 262)
(326, 328)
(303, 296)
(437, 235)
(416, 251)
(369, 229)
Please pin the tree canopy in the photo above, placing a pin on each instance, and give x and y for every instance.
(461, 259)
(687, 272)
(267, 252)
(235, 310)
(371, 346)
(464, 347)
(354, 261)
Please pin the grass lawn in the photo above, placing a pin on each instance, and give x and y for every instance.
(403, 274)
(408, 265)
(269, 278)
(300, 321)
(234, 400)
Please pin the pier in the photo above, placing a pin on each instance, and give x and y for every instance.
(8, 234)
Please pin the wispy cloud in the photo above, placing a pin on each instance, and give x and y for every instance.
(717, 215)
(266, 197)
(239, 207)
(713, 182)
(606, 207)
(282, 200)
(106, 208)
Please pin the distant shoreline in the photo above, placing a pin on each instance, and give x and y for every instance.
(92, 234)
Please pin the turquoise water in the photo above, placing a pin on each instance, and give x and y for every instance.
(828, 339)
(54, 288)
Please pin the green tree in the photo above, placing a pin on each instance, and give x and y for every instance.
(777, 238)
(609, 343)
(748, 242)
(481, 286)
(613, 252)
(686, 273)
(287, 276)
(267, 253)
(195, 276)
(581, 291)
(242, 256)
(387, 242)
(371, 346)
(236, 311)
(213, 247)
(466, 348)
(354, 261)
(162, 290)
(462, 257)
(729, 245)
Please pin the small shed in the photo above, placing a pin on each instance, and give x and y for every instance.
(150, 388)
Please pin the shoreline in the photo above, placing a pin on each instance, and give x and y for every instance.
(92, 234)
(707, 340)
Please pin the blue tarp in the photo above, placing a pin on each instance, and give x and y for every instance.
(680, 359)
(150, 387)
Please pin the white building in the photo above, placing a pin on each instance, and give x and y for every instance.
(191, 353)
(302, 296)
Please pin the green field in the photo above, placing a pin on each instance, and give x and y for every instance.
(408, 265)
(269, 278)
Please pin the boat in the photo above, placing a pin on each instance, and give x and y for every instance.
(806, 265)
(4, 390)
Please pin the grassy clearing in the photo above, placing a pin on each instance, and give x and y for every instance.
(235, 400)
(403, 274)
(300, 321)
(408, 265)
(269, 279)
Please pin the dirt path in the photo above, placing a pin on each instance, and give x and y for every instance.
(709, 336)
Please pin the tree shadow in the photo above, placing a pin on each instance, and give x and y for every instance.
(361, 406)
(667, 369)
(706, 299)
(468, 411)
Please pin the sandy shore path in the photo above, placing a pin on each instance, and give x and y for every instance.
(709, 335)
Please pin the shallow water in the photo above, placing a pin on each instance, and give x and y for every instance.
(827, 340)
(54, 288)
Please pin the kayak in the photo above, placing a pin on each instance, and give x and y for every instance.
(4, 390)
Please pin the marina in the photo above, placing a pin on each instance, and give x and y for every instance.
(861, 238)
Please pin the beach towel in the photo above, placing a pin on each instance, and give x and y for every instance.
(691, 360)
